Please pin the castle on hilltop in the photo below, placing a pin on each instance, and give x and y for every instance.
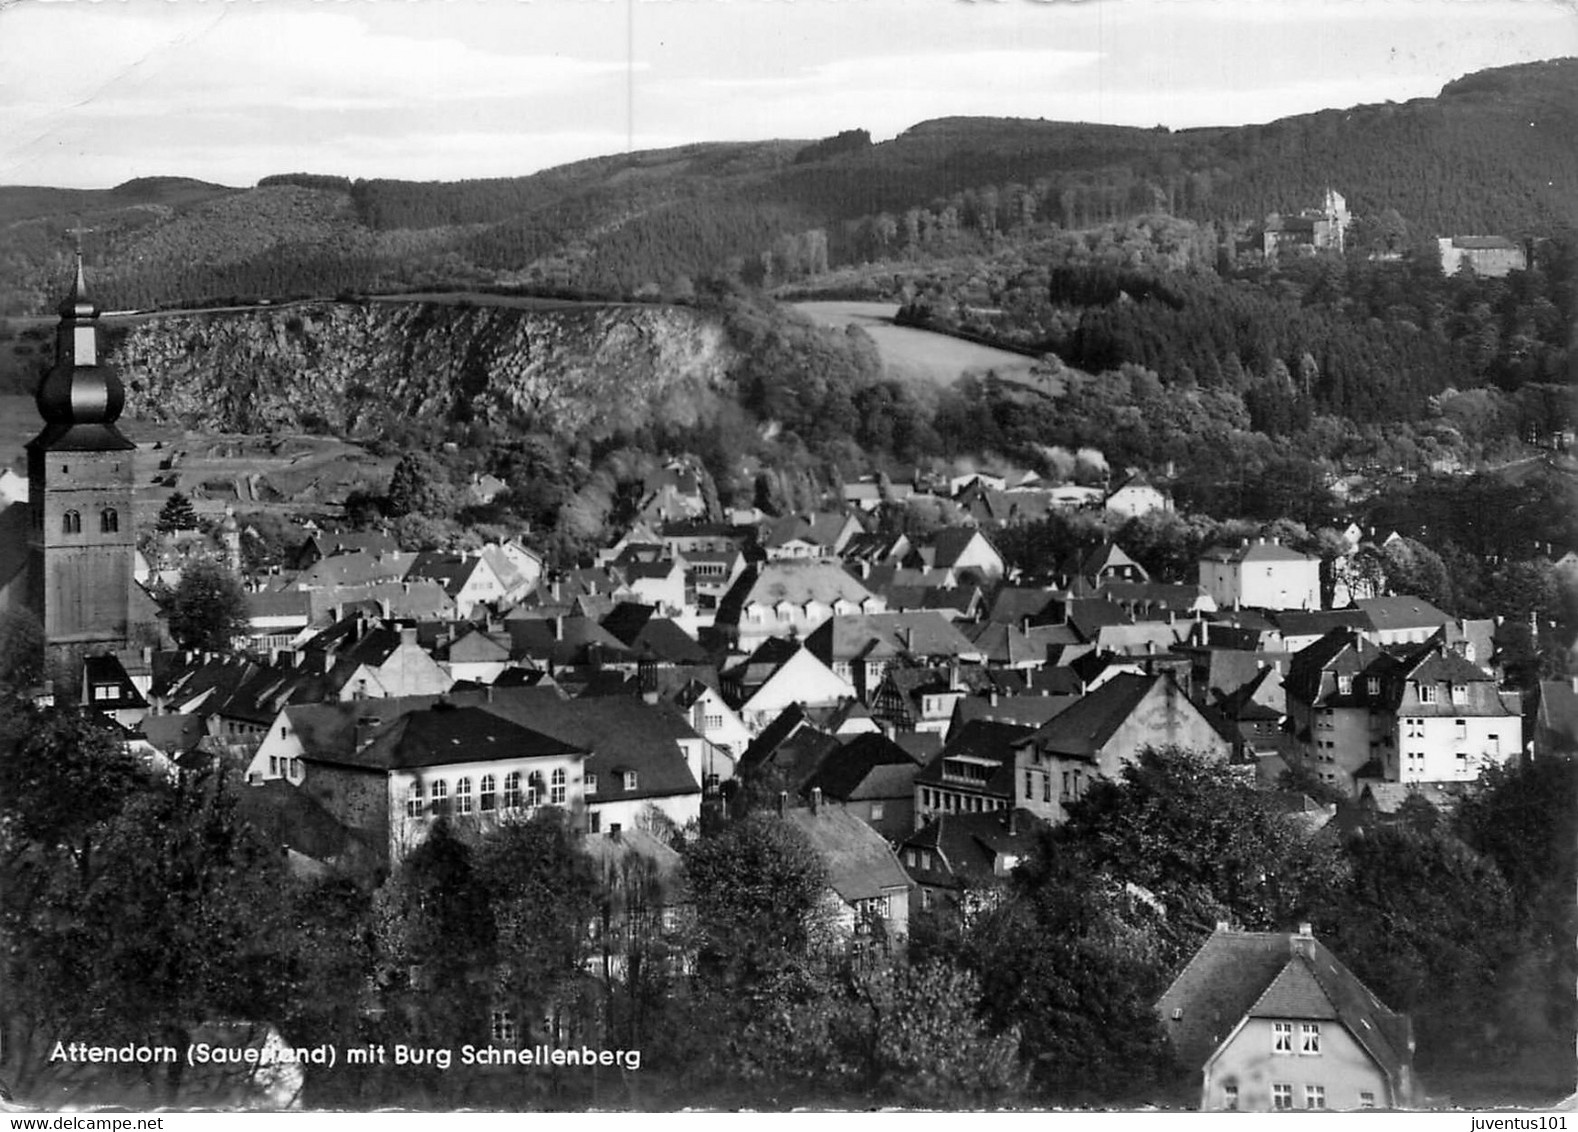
(1312, 230)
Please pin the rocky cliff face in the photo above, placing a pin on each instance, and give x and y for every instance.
(350, 370)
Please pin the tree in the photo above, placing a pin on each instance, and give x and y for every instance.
(1075, 964)
(1525, 819)
(208, 608)
(177, 514)
(914, 1035)
(1430, 926)
(525, 867)
(1206, 844)
(133, 909)
(757, 887)
(419, 485)
(21, 652)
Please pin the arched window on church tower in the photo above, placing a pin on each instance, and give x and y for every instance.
(109, 521)
(71, 523)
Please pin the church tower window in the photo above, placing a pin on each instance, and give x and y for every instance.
(71, 523)
(109, 521)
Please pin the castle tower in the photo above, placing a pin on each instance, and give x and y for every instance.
(79, 473)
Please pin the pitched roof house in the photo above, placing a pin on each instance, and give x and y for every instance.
(963, 860)
(461, 763)
(869, 894)
(873, 778)
(1273, 1021)
(1417, 713)
(1103, 732)
(777, 599)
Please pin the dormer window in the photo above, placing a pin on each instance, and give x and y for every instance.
(1373, 686)
(590, 782)
(1344, 685)
(1427, 693)
(1459, 693)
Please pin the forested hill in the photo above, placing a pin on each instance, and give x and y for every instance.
(1495, 153)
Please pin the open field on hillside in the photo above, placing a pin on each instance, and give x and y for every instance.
(291, 474)
(484, 299)
(922, 355)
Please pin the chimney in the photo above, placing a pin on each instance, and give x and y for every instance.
(1303, 942)
(366, 726)
(558, 626)
(783, 803)
(1024, 625)
(991, 697)
(816, 799)
(1013, 821)
(408, 635)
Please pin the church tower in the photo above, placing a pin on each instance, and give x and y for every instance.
(79, 473)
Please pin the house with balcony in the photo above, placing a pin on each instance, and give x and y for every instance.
(972, 774)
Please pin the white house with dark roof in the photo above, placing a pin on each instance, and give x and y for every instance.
(1274, 1022)
(817, 535)
(334, 729)
(1101, 733)
(638, 755)
(1401, 619)
(1136, 496)
(1261, 574)
(801, 679)
(462, 763)
(959, 549)
(1490, 256)
(1416, 714)
(469, 579)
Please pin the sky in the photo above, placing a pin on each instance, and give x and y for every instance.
(95, 92)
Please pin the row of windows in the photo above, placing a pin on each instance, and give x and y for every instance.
(487, 798)
(955, 803)
(1282, 1096)
(1282, 1037)
(109, 522)
(1073, 786)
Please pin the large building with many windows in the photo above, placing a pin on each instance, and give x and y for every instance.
(1413, 714)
